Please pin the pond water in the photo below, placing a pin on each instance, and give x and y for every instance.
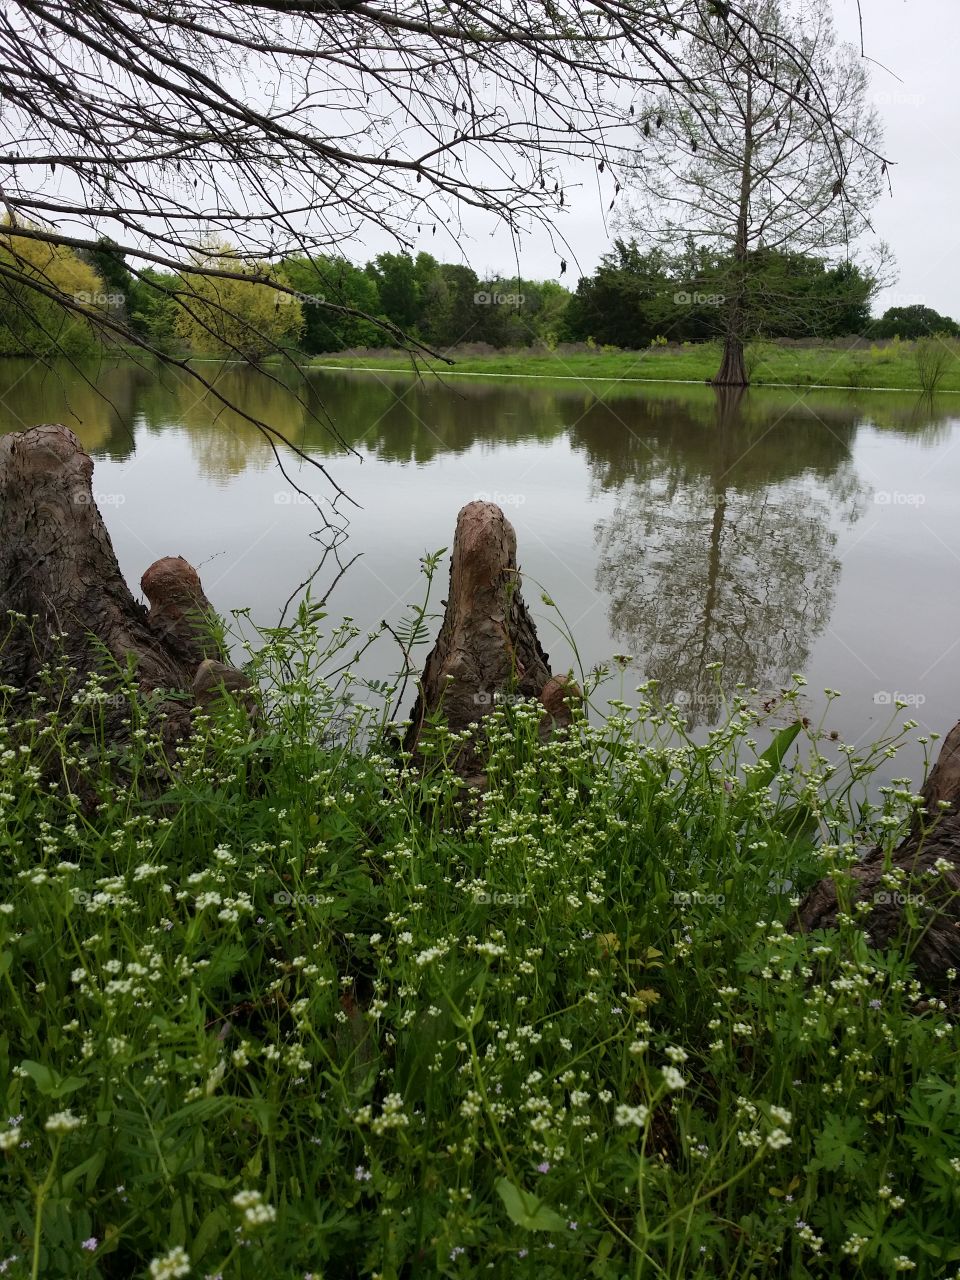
(770, 532)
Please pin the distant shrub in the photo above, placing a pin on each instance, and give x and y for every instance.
(931, 357)
(754, 355)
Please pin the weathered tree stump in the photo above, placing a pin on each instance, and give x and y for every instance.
(487, 648)
(180, 613)
(928, 890)
(70, 605)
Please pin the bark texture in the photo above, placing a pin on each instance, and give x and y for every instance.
(487, 648)
(63, 599)
(733, 367)
(922, 911)
(180, 614)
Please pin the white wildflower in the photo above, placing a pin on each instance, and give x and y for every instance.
(672, 1077)
(624, 1116)
(62, 1122)
(172, 1265)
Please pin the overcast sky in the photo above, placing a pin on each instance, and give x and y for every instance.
(914, 52)
(918, 97)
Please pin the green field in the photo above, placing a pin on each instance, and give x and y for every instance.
(889, 366)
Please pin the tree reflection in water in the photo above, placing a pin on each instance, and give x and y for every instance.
(722, 510)
(720, 549)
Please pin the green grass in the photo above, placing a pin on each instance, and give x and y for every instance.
(306, 1018)
(891, 366)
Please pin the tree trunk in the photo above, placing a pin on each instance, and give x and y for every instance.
(487, 649)
(733, 369)
(919, 909)
(71, 609)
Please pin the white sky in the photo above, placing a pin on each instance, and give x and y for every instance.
(914, 46)
(918, 98)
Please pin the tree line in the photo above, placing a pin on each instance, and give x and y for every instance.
(745, 127)
(637, 297)
(328, 304)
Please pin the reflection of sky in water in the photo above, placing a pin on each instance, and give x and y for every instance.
(764, 535)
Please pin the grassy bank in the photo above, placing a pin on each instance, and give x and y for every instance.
(279, 1011)
(890, 365)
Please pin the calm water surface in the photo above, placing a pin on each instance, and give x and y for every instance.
(770, 533)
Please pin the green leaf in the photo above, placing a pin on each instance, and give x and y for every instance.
(763, 772)
(835, 1149)
(526, 1210)
(215, 1180)
(92, 1166)
(43, 1077)
(214, 1225)
(601, 1266)
(771, 760)
(49, 1082)
(796, 821)
(177, 1231)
